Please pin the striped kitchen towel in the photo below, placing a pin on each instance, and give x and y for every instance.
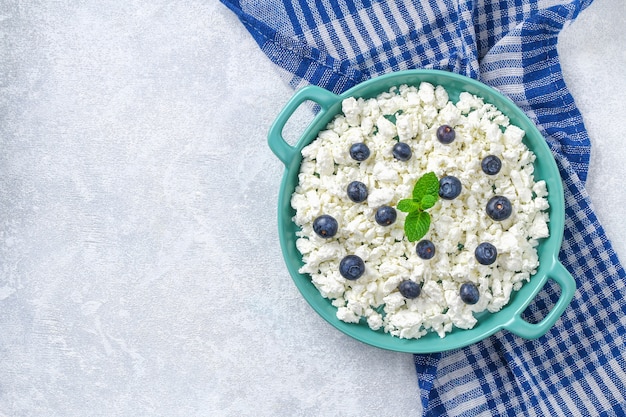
(579, 366)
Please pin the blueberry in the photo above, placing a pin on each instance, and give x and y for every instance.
(325, 226)
(469, 293)
(401, 151)
(445, 134)
(491, 165)
(357, 191)
(409, 289)
(449, 187)
(351, 267)
(425, 249)
(486, 253)
(499, 208)
(386, 215)
(359, 151)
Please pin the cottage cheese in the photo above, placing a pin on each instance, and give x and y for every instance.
(412, 114)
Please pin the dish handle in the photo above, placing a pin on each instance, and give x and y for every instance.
(522, 328)
(277, 143)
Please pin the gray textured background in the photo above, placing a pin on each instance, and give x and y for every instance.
(140, 272)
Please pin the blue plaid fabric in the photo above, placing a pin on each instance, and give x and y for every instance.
(579, 367)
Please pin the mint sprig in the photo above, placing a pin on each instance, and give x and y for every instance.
(425, 195)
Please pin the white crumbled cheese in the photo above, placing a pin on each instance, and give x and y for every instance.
(379, 197)
(412, 114)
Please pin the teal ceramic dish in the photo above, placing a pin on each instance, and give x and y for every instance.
(509, 318)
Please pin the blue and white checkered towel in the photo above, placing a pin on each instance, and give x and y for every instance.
(579, 366)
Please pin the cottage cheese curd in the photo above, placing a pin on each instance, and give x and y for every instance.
(412, 114)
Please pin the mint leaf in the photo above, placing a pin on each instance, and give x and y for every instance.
(428, 184)
(425, 195)
(408, 206)
(416, 225)
(428, 201)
